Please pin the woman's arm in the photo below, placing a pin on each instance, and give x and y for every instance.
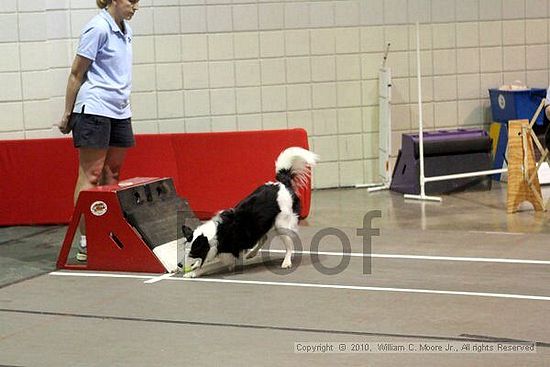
(76, 77)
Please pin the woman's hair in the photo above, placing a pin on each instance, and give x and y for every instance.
(103, 3)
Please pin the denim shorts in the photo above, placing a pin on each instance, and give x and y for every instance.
(92, 131)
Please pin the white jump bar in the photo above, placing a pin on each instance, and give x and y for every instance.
(463, 175)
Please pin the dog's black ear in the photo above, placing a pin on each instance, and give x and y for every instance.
(187, 233)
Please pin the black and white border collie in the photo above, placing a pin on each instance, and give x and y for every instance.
(241, 231)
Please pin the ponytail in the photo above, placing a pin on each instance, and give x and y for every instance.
(103, 3)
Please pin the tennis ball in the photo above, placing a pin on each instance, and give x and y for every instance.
(187, 269)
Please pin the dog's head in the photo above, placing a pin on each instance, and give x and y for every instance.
(201, 250)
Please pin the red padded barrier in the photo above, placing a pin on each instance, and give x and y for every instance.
(53, 189)
(153, 156)
(212, 171)
(15, 207)
(37, 179)
(230, 166)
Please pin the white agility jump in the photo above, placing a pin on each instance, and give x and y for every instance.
(423, 178)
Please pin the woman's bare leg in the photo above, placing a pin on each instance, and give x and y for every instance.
(91, 162)
(110, 174)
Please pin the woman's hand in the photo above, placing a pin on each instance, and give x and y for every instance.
(64, 125)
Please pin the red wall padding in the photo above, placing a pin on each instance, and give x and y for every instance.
(153, 156)
(213, 171)
(37, 179)
(232, 166)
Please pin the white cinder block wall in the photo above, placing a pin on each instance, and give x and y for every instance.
(219, 65)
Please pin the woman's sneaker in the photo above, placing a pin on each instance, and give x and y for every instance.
(82, 254)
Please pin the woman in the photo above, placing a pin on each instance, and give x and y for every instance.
(97, 100)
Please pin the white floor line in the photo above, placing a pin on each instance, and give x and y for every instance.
(373, 289)
(311, 285)
(150, 278)
(421, 257)
(82, 273)
(159, 278)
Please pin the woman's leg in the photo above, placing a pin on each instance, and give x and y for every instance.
(91, 161)
(110, 174)
(97, 167)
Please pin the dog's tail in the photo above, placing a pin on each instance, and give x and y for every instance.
(293, 166)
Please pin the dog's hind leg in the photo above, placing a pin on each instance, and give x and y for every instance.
(254, 250)
(287, 227)
(289, 247)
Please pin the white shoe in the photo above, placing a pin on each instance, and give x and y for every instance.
(82, 254)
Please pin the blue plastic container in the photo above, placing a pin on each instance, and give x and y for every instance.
(509, 105)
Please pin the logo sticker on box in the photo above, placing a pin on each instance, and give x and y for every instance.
(501, 101)
(98, 208)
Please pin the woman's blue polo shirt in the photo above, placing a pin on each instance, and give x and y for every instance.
(107, 84)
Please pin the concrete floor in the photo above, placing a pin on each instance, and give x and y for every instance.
(461, 272)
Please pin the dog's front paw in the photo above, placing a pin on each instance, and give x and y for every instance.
(191, 274)
(250, 254)
(287, 264)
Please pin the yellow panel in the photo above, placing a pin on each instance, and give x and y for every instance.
(494, 133)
